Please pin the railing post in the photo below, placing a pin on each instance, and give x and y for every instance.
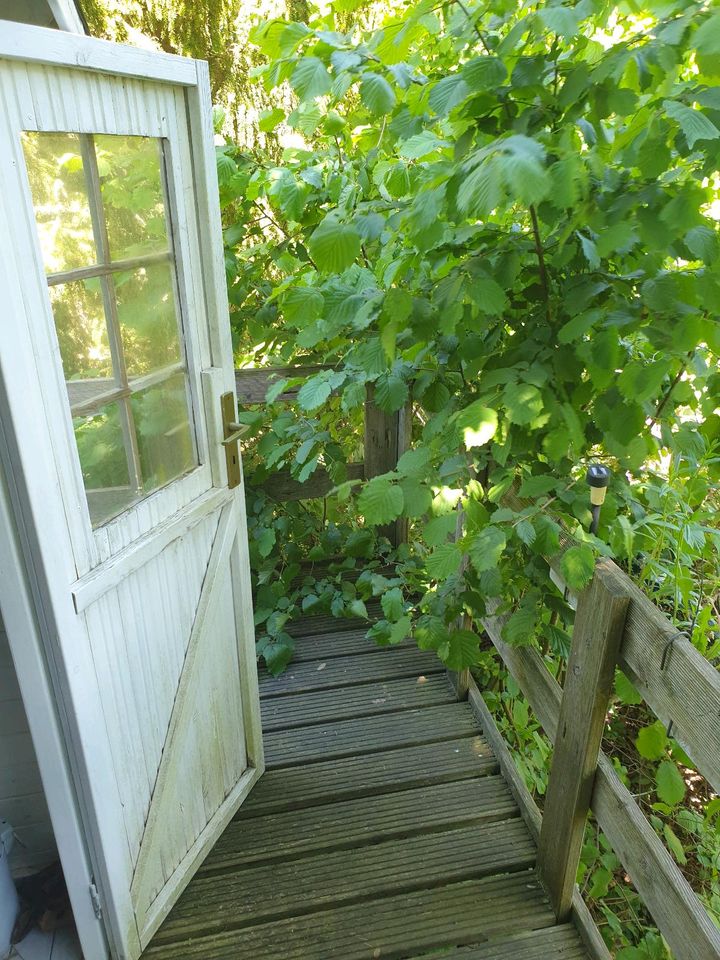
(597, 637)
(387, 437)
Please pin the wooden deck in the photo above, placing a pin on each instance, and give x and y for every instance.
(382, 829)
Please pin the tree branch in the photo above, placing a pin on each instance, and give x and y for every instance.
(541, 261)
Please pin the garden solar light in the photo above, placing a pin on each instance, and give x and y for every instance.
(598, 478)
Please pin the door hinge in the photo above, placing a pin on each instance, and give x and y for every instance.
(95, 898)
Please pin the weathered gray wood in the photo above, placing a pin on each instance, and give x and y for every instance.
(253, 385)
(668, 896)
(393, 926)
(283, 487)
(676, 681)
(552, 943)
(345, 703)
(263, 892)
(599, 625)
(338, 671)
(530, 812)
(346, 738)
(387, 437)
(344, 825)
(368, 776)
(342, 643)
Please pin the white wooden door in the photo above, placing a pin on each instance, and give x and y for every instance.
(114, 352)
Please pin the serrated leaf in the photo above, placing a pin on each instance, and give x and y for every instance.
(561, 20)
(310, 78)
(519, 628)
(484, 73)
(674, 843)
(393, 604)
(651, 741)
(444, 561)
(480, 191)
(706, 38)
(414, 463)
(377, 94)
(487, 547)
(417, 497)
(400, 630)
(461, 650)
(669, 783)
(358, 609)
(625, 691)
(391, 393)
(694, 124)
(448, 93)
(526, 532)
(523, 403)
(537, 486)
(314, 392)
(489, 296)
(438, 529)
(380, 501)
(578, 565)
(420, 145)
(334, 246)
(302, 305)
(478, 424)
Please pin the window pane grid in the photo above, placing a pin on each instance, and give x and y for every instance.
(140, 304)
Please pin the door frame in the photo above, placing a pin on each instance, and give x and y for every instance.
(47, 572)
(23, 622)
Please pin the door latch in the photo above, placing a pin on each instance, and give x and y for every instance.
(232, 431)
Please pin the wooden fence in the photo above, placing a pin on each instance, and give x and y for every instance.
(386, 438)
(616, 623)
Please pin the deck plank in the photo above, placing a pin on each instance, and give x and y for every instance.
(392, 927)
(346, 738)
(352, 823)
(365, 776)
(341, 643)
(347, 671)
(263, 892)
(347, 703)
(552, 943)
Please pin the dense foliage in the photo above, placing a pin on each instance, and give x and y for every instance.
(506, 217)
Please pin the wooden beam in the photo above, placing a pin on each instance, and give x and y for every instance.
(387, 437)
(597, 636)
(674, 906)
(282, 486)
(252, 384)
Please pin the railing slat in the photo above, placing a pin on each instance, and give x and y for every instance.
(597, 635)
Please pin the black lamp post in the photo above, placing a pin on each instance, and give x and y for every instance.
(598, 478)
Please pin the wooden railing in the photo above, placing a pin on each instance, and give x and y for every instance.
(616, 623)
(386, 438)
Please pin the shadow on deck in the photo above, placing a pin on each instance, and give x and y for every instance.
(382, 829)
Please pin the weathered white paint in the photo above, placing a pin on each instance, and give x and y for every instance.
(149, 619)
(67, 16)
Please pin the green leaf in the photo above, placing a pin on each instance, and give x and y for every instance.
(578, 565)
(526, 532)
(480, 191)
(538, 486)
(314, 392)
(561, 20)
(414, 463)
(393, 604)
(334, 246)
(358, 609)
(523, 403)
(444, 561)
(448, 93)
(391, 393)
(462, 649)
(380, 501)
(520, 626)
(310, 78)
(484, 73)
(625, 691)
(489, 296)
(439, 529)
(487, 547)
(302, 305)
(420, 145)
(377, 94)
(670, 785)
(706, 38)
(673, 841)
(417, 497)
(694, 124)
(651, 741)
(478, 424)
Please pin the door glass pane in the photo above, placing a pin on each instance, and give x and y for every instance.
(163, 431)
(102, 448)
(62, 208)
(148, 318)
(98, 202)
(82, 332)
(133, 196)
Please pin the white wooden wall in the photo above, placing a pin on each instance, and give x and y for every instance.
(22, 799)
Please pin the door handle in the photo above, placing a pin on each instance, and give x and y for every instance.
(232, 431)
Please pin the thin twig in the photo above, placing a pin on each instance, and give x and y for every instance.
(541, 260)
(663, 401)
